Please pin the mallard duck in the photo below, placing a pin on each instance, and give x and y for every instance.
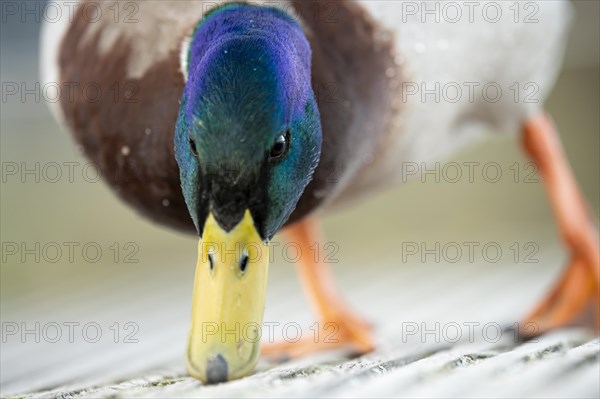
(236, 121)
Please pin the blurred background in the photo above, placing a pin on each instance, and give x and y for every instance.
(137, 290)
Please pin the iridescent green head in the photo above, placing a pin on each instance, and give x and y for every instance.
(248, 134)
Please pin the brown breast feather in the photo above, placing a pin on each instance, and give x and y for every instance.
(146, 176)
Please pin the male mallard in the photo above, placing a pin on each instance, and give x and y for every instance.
(235, 121)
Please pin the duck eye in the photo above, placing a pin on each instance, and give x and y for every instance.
(193, 147)
(280, 147)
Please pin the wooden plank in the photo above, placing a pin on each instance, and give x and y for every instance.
(424, 364)
(470, 370)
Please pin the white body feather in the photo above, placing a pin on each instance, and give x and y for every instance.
(519, 50)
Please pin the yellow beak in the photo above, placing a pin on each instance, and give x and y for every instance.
(228, 302)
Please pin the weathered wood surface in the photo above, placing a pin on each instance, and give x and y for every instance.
(561, 364)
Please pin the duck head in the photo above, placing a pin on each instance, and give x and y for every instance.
(247, 141)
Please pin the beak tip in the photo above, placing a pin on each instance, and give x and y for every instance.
(216, 370)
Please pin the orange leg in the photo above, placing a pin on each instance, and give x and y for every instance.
(339, 327)
(580, 283)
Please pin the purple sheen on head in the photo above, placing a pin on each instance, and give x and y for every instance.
(274, 50)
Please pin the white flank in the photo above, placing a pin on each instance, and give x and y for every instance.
(52, 33)
(183, 56)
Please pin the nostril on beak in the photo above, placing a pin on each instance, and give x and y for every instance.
(211, 261)
(216, 370)
(244, 263)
